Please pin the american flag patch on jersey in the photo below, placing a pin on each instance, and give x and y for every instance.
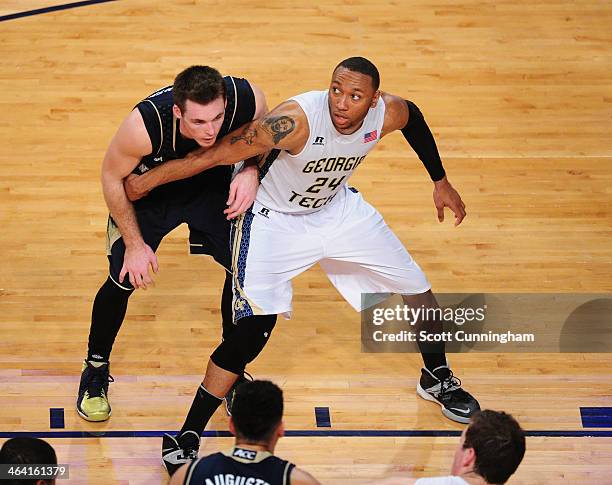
(368, 137)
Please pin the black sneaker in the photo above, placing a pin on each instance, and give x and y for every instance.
(92, 403)
(229, 397)
(443, 387)
(178, 451)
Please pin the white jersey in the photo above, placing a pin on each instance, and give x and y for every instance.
(306, 182)
(451, 480)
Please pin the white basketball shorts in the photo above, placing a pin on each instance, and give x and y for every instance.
(348, 238)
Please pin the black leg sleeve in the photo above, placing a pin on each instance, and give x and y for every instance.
(107, 316)
(433, 353)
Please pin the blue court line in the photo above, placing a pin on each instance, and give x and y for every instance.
(596, 417)
(353, 433)
(53, 8)
(56, 418)
(323, 418)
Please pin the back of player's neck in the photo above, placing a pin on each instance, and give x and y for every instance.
(473, 478)
(255, 446)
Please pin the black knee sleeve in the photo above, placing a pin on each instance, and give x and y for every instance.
(244, 343)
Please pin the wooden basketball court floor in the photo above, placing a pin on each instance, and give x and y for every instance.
(519, 96)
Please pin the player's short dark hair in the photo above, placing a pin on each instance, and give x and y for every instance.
(26, 451)
(498, 442)
(200, 84)
(257, 410)
(363, 66)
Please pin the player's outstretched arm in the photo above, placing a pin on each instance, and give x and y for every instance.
(285, 128)
(405, 116)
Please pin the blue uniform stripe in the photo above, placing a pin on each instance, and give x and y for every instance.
(241, 237)
(272, 156)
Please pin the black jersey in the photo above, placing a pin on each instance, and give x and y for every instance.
(239, 467)
(168, 143)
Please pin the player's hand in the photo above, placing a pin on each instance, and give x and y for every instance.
(243, 190)
(133, 187)
(136, 262)
(444, 195)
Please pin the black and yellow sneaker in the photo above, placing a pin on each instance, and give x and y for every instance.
(92, 403)
(229, 397)
(180, 450)
(442, 387)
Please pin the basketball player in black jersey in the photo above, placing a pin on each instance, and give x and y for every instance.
(256, 421)
(199, 108)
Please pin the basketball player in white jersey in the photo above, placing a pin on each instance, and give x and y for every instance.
(306, 213)
(489, 452)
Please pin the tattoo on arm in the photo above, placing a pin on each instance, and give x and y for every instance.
(278, 126)
(248, 135)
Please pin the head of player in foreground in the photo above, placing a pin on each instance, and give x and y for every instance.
(490, 450)
(257, 424)
(27, 451)
(257, 415)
